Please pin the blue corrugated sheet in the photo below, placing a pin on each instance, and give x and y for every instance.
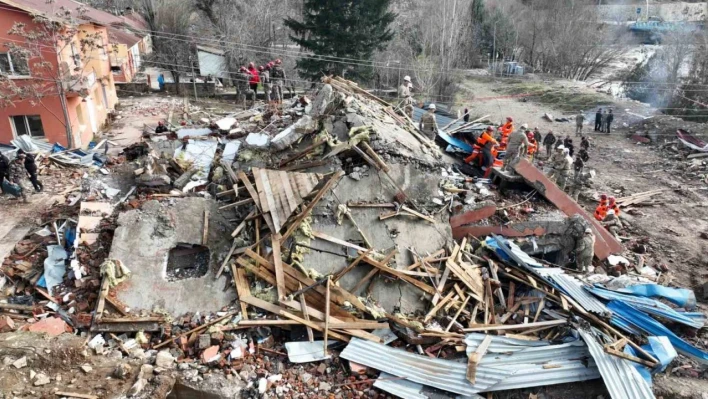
(574, 288)
(649, 306)
(633, 320)
(680, 296)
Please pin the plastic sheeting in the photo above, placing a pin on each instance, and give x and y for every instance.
(182, 133)
(632, 320)
(680, 296)
(201, 153)
(54, 267)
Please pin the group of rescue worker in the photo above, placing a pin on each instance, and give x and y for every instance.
(270, 76)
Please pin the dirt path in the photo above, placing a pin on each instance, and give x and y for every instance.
(672, 230)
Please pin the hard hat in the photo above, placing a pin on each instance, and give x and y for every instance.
(612, 199)
(431, 106)
(524, 126)
(242, 69)
(269, 65)
(160, 123)
(603, 196)
(560, 148)
(490, 128)
(588, 231)
(510, 119)
(260, 68)
(406, 78)
(278, 61)
(566, 150)
(251, 65)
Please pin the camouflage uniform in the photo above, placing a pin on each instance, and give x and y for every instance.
(404, 93)
(278, 79)
(564, 166)
(585, 251)
(267, 86)
(429, 126)
(18, 175)
(518, 144)
(577, 183)
(244, 91)
(555, 164)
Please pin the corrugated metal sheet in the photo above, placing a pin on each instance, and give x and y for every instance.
(550, 373)
(501, 344)
(442, 374)
(571, 286)
(621, 378)
(411, 390)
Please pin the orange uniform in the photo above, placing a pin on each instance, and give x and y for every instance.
(505, 130)
(601, 210)
(533, 147)
(614, 207)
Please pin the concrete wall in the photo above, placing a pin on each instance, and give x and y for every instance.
(212, 64)
(677, 11)
(132, 89)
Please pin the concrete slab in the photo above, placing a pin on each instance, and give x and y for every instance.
(605, 243)
(142, 242)
(399, 232)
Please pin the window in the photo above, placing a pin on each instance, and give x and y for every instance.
(10, 65)
(76, 56)
(80, 115)
(30, 125)
(116, 70)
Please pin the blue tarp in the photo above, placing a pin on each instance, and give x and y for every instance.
(680, 296)
(633, 320)
(455, 142)
(650, 306)
(661, 349)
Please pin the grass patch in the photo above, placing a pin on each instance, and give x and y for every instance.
(563, 98)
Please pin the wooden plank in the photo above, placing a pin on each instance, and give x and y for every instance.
(349, 267)
(373, 272)
(332, 180)
(288, 190)
(476, 357)
(75, 395)
(441, 285)
(278, 266)
(265, 205)
(302, 153)
(437, 307)
(503, 327)
(419, 284)
(335, 240)
(242, 288)
(272, 205)
(281, 201)
(101, 300)
(472, 281)
(202, 327)
(236, 204)
(116, 305)
(226, 260)
(303, 303)
(254, 194)
(205, 230)
(321, 316)
(326, 328)
(242, 225)
(454, 319)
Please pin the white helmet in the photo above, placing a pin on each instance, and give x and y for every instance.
(431, 106)
(525, 126)
(588, 230)
(406, 78)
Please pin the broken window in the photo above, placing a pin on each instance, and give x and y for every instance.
(187, 261)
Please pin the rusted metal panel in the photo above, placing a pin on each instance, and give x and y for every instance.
(605, 243)
(472, 216)
(482, 231)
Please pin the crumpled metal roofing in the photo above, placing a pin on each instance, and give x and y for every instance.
(571, 361)
(442, 374)
(405, 389)
(622, 380)
(571, 286)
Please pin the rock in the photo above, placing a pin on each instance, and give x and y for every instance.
(122, 371)
(51, 326)
(137, 387)
(305, 377)
(355, 175)
(325, 386)
(204, 341)
(6, 324)
(32, 375)
(7, 360)
(20, 363)
(211, 354)
(86, 368)
(321, 368)
(262, 385)
(41, 379)
(322, 100)
(164, 359)
(183, 366)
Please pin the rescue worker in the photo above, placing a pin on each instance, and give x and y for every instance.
(4, 170)
(264, 74)
(428, 125)
(565, 167)
(577, 183)
(518, 144)
(555, 163)
(466, 115)
(161, 128)
(18, 175)
(537, 135)
(487, 142)
(404, 96)
(31, 168)
(254, 78)
(603, 122)
(548, 142)
(612, 205)
(242, 80)
(601, 210)
(533, 146)
(278, 79)
(585, 251)
(579, 120)
(598, 119)
(583, 154)
(584, 143)
(613, 224)
(505, 131)
(568, 144)
(608, 124)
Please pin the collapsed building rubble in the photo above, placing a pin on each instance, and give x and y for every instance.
(328, 248)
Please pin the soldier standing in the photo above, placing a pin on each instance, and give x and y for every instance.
(579, 120)
(18, 175)
(31, 167)
(265, 80)
(548, 142)
(4, 170)
(278, 80)
(428, 125)
(577, 184)
(242, 85)
(585, 251)
(404, 95)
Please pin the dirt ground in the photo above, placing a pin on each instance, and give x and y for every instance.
(624, 168)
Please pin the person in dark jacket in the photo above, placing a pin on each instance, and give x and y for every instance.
(610, 118)
(4, 170)
(584, 143)
(466, 116)
(161, 128)
(568, 143)
(548, 142)
(31, 167)
(598, 119)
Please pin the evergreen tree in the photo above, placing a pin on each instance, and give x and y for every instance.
(335, 29)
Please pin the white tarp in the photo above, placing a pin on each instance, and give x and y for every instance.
(231, 150)
(54, 267)
(201, 153)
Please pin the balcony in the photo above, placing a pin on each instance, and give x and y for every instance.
(78, 85)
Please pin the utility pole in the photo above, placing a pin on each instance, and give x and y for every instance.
(194, 78)
(65, 111)
(494, 50)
